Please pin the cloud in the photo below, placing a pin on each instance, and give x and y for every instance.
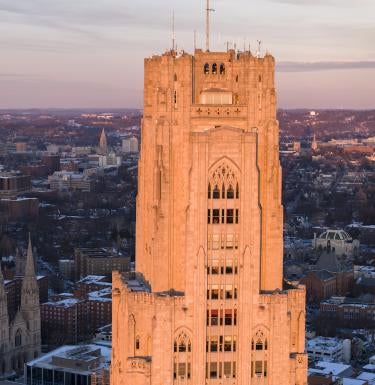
(323, 66)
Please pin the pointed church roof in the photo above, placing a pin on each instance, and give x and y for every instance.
(330, 262)
(29, 268)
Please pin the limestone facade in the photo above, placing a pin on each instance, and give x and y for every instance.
(207, 304)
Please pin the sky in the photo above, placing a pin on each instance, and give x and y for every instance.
(89, 53)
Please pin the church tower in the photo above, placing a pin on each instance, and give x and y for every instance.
(207, 303)
(103, 147)
(30, 308)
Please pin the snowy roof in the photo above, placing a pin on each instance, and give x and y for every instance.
(69, 302)
(324, 343)
(352, 381)
(101, 295)
(92, 279)
(329, 368)
(73, 352)
(370, 377)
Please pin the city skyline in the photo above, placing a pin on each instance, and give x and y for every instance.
(57, 55)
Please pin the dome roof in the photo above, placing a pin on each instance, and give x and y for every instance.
(337, 235)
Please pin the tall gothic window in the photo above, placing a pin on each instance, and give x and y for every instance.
(259, 346)
(182, 357)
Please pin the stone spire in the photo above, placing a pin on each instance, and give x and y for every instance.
(30, 290)
(29, 267)
(103, 147)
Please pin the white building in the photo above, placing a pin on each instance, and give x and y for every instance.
(338, 241)
(109, 160)
(328, 349)
(86, 364)
(130, 144)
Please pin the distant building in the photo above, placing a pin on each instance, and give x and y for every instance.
(92, 261)
(328, 349)
(71, 319)
(350, 312)
(69, 365)
(338, 241)
(331, 276)
(21, 146)
(91, 283)
(6, 148)
(63, 322)
(110, 159)
(20, 208)
(13, 184)
(337, 370)
(130, 145)
(52, 162)
(70, 181)
(66, 268)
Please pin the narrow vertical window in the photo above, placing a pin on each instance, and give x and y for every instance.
(214, 69)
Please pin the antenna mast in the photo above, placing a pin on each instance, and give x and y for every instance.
(208, 10)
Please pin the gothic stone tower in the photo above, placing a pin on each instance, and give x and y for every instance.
(207, 305)
(20, 339)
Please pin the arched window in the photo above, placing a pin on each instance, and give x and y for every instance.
(182, 357)
(260, 78)
(224, 177)
(236, 78)
(206, 69)
(230, 192)
(259, 362)
(216, 193)
(175, 78)
(214, 69)
(137, 343)
(18, 338)
(222, 69)
(259, 342)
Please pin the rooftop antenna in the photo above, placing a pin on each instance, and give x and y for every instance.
(259, 48)
(173, 33)
(195, 39)
(208, 10)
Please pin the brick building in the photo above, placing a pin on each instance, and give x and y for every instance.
(93, 261)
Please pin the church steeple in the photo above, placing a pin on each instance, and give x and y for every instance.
(103, 146)
(30, 291)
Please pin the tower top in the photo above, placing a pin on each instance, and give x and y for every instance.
(29, 268)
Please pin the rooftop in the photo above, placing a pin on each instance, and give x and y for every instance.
(325, 343)
(83, 359)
